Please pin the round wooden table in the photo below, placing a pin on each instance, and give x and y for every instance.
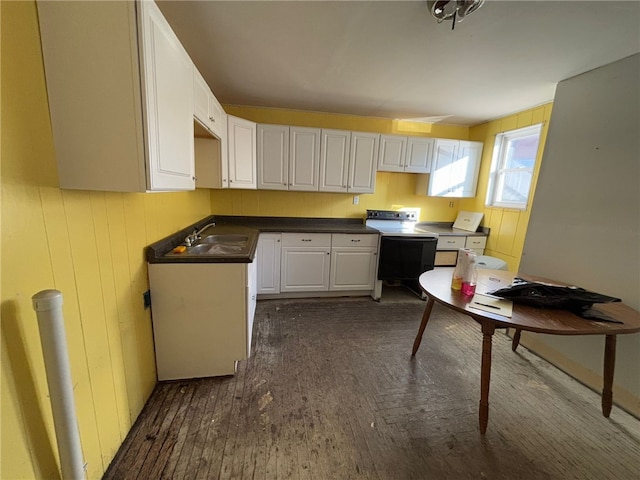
(437, 285)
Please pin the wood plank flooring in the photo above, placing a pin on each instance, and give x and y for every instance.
(331, 392)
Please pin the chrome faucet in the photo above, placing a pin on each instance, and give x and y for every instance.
(195, 236)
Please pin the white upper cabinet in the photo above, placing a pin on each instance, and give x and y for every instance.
(391, 154)
(334, 160)
(418, 155)
(206, 107)
(405, 154)
(362, 162)
(241, 136)
(273, 157)
(348, 161)
(288, 158)
(454, 172)
(120, 89)
(304, 158)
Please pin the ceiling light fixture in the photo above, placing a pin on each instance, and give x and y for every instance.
(456, 10)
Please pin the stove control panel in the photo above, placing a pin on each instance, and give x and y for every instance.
(403, 215)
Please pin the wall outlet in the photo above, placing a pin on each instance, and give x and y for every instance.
(356, 199)
(450, 204)
(146, 298)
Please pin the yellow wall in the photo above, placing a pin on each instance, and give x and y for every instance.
(392, 189)
(90, 246)
(508, 226)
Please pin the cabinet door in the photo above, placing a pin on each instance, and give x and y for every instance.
(391, 153)
(334, 160)
(269, 249)
(305, 269)
(444, 157)
(418, 155)
(200, 99)
(362, 162)
(352, 268)
(252, 278)
(217, 116)
(304, 158)
(168, 74)
(241, 136)
(466, 167)
(273, 157)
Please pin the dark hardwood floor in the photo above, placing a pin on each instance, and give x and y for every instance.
(331, 392)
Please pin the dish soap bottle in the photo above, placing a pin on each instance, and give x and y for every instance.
(470, 277)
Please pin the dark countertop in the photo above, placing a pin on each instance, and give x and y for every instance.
(446, 228)
(252, 227)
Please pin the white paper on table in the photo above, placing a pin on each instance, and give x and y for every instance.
(488, 284)
(492, 305)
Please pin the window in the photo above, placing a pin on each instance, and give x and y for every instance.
(514, 157)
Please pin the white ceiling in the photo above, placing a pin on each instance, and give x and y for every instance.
(392, 59)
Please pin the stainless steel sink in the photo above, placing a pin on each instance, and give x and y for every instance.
(219, 244)
(227, 239)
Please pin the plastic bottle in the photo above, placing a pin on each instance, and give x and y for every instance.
(470, 278)
(458, 272)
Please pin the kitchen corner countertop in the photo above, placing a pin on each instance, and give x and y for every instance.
(446, 228)
(252, 227)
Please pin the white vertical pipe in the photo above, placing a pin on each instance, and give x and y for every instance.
(48, 306)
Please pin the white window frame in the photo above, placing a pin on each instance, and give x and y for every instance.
(498, 171)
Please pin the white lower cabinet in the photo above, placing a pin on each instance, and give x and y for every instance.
(353, 262)
(202, 317)
(316, 262)
(305, 262)
(449, 246)
(269, 250)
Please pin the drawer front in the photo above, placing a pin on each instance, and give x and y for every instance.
(354, 240)
(476, 242)
(306, 240)
(446, 259)
(450, 243)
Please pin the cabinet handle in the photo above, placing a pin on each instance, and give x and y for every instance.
(212, 119)
(354, 240)
(306, 239)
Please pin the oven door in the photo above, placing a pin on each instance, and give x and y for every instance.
(405, 258)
